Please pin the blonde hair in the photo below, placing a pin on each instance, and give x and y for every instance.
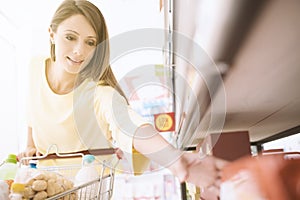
(98, 69)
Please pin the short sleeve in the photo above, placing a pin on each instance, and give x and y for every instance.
(35, 68)
(122, 123)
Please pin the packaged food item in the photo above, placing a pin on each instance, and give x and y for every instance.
(17, 191)
(9, 168)
(4, 190)
(32, 183)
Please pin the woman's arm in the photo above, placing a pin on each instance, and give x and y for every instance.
(30, 149)
(203, 172)
(151, 144)
(30, 142)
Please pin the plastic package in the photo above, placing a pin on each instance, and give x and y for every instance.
(33, 183)
(25, 173)
(4, 190)
(9, 168)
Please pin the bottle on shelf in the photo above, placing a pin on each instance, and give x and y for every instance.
(8, 168)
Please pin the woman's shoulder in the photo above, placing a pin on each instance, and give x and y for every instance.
(107, 92)
(37, 62)
(36, 69)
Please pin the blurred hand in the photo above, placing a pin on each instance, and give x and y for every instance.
(28, 152)
(202, 172)
(119, 153)
(207, 172)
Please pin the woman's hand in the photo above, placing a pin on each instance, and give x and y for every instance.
(119, 153)
(28, 152)
(202, 172)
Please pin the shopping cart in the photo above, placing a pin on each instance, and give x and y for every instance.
(101, 188)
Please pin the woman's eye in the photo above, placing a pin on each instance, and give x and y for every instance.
(91, 43)
(68, 37)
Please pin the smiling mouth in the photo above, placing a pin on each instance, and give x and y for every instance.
(78, 62)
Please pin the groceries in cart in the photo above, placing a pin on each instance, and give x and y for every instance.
(8, 170)
(37, 184)
(28, 182)
(85, 181)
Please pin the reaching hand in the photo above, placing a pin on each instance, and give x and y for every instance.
(202, 172)
(207, 176)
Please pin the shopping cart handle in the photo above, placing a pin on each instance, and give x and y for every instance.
(100, 152)
(95, 152)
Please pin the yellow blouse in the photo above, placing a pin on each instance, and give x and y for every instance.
(90, 117)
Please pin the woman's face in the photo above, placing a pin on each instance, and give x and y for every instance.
(75, 40)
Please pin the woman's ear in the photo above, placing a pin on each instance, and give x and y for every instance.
(51, 34)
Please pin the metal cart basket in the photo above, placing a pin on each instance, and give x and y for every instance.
(101, 188)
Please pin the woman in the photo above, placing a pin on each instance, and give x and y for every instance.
(76, 103)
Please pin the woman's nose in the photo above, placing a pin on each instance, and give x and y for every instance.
(78, 48)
